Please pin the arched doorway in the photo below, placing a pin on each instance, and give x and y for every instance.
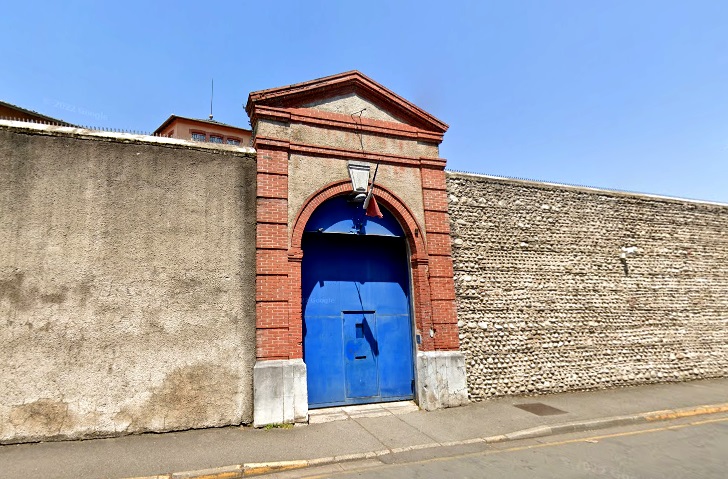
(357, 321)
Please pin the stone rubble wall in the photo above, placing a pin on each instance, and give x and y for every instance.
(562, 288)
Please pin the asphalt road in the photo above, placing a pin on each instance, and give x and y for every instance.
(679, 449)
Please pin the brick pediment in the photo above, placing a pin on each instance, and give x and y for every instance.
(341, 96)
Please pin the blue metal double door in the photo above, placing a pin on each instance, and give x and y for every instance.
(357, 328)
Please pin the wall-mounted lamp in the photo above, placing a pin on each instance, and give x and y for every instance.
(359, 174)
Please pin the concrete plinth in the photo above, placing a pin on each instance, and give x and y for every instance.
(280, 392)
(441, 380)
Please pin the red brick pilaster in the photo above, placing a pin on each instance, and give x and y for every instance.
(422, 301)
(295, 308)
(437, 227)
(272, 267)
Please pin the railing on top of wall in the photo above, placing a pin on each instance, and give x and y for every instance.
(96, 128)
(85, 127)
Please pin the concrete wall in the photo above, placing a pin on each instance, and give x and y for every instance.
(562, 288)
(126, 284)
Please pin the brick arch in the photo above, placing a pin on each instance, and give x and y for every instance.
(418, 259)
(412, 230)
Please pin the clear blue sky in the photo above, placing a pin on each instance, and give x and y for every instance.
(621, 94)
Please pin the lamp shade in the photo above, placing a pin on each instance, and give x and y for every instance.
(359, 174)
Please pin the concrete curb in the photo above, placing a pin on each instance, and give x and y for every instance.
(254, 469)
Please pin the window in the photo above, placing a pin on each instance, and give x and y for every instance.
(198, 137)
(215, 139)
(233, 141)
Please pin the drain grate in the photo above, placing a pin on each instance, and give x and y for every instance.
(539, 409)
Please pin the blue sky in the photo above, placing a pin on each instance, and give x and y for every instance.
(630, 95)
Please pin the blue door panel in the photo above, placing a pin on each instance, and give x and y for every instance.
(387, 297)
(321, 286)
(395, 364)
(357, 324)
(323, 300)
(324, 351)
(360, 355)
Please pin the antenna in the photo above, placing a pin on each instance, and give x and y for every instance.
(212, 93)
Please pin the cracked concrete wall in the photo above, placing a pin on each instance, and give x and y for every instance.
(126, 286)
(563, 289)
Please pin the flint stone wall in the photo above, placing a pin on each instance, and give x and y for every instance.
(127, 284)
(562, 288)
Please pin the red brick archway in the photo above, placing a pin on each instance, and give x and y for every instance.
(418, 261)
(278, 241)
(411, 228)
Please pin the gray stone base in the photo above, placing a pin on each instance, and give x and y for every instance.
(280, 392)
(441, 380)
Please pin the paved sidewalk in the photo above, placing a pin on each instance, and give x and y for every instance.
(367, 432)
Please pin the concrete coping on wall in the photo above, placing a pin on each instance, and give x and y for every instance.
(585, 189)
(121, 137)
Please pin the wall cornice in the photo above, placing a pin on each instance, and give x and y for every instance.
(347, 154)
(310, 117)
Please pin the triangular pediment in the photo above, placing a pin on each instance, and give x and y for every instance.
(352, 103)
(345, 94)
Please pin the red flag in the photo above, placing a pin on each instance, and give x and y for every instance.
(370, 202)
(373, 208)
